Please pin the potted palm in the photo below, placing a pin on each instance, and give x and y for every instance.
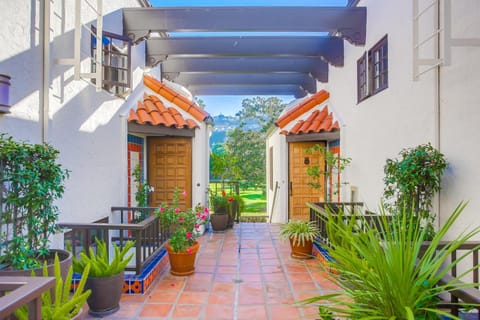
(182, 246)
(301, 235)
(31, 179)
(106, 278)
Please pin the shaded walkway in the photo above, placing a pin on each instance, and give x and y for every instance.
(259, 282)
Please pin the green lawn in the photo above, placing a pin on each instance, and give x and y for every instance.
(255, 202)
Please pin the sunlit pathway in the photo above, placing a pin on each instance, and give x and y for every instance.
(259, 281)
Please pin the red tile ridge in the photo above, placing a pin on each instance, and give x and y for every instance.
(175, 97)
(301, 108)
(317, 121)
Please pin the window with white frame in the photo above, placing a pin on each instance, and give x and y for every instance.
(372, 70)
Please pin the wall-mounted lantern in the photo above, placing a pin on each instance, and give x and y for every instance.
(4, 93)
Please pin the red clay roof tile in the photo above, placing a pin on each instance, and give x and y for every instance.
(303, 107)
(176, 98)
(317, 121)
(154, 112)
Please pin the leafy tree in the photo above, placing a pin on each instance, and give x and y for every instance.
(242, 156)
(246, 151)
(264, 111)
(221, 164)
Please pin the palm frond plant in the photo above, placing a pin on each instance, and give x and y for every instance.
(383, 272)
(301, 235)
(299, 231)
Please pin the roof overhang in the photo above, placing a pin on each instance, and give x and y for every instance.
(346, 22)
(288, 60)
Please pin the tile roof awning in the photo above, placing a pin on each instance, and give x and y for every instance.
(269, 58)
(309, 116)
(153, 111)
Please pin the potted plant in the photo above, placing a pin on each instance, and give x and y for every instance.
(412, 181)
(301, 235)
(384, 271)
(61, 305)
(221, 205)
(225, 207)
(31, 180)
(106, 278)
(182, 245)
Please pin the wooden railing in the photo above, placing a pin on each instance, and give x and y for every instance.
(471, 296)
(16, 292)
(148, 234)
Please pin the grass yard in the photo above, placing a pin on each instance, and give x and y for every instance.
(255, 202)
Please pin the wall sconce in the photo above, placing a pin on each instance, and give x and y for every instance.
(4, 93)
(306, 160)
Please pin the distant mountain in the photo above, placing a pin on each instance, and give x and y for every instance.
(224, 124)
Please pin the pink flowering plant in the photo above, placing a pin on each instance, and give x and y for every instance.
(182, 223)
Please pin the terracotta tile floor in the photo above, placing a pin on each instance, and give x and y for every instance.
(259, 281)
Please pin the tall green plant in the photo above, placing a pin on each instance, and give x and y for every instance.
(31, 180)
(412, 180)
(382, 272)
(64, 306)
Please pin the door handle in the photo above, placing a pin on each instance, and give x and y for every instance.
(290, 188)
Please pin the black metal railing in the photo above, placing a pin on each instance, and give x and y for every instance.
(23, 291)
(148, 234)
(318, 214)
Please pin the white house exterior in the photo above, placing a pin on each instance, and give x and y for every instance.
(90, 128)
(436, 104)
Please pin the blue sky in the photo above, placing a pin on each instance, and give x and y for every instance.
(229, 105)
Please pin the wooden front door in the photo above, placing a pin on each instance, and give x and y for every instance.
(299, 191)
(170, 167)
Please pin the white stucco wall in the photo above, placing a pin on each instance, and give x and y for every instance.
(403, 115)
(277, 141)
(85, 125)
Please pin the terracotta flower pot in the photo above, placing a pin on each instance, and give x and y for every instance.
(300, 251)
(182, 263)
